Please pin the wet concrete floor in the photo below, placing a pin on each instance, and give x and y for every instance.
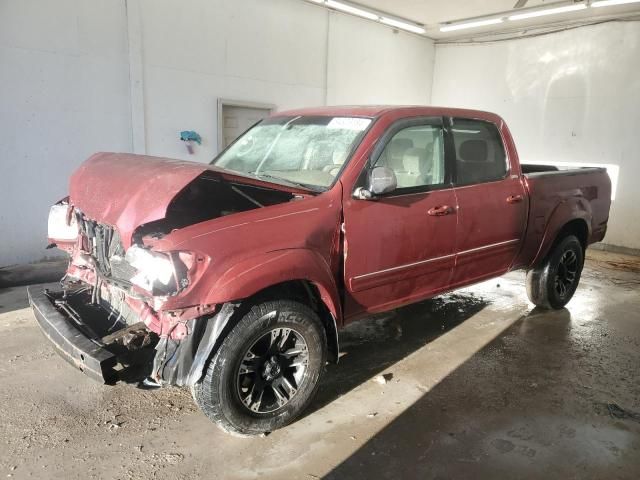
(479, 385)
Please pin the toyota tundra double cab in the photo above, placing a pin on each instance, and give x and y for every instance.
(236, 277)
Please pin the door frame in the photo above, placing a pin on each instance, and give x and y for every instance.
(391, 130)
(228, 102)
(353, 309)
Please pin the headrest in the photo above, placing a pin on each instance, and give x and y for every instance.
(413, 160)
(339, 155)
(474, 151)
(320, 154)
(399, 145)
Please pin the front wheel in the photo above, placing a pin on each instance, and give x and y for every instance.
(266, 370)
(552, 284)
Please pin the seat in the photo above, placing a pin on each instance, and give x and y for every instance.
(319, 155)
(414, 171)
(393, 154)
(338, 157)
(473, 165)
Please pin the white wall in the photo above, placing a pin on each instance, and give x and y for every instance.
(283, 52)
(377, 64)
(63, 95)
(270, 52)
(567, 97)
(65, 88)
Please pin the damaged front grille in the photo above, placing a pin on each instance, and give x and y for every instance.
(114, 302)
(108, 252)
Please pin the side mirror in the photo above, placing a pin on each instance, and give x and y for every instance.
(381, 180)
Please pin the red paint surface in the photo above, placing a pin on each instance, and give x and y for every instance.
(300, 240)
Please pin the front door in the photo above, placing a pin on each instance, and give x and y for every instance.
(401, 246)
(492, 202)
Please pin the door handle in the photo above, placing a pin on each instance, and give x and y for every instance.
(439, 211)
(514, 198)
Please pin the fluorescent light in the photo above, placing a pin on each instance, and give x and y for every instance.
(608, 3)
(478, 23)
(547, 11)
(344, 7)
(402, 25)
(355, 9)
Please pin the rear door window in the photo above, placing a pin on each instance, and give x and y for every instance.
(480, 155)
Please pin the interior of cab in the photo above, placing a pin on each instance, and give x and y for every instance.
(416, 156)
(480, 155)
(305, 150)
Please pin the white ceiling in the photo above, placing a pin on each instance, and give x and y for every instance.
(433, 12)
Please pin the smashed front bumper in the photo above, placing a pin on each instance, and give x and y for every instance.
(86, 339)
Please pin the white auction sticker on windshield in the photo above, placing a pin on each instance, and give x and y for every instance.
(349, 123)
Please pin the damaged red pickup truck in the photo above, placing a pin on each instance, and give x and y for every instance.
(236, 277)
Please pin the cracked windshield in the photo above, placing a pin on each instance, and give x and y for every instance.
(304, 151)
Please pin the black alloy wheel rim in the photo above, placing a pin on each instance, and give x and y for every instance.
(567, 273)
(272, 370)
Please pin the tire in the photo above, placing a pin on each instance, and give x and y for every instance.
(552, 284)
(250, 360)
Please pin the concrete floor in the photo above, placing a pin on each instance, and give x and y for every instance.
(480, 385)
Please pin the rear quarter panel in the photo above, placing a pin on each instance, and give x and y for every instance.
(557, 198)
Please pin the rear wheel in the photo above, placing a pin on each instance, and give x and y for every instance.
(266, 370)
(552, 284)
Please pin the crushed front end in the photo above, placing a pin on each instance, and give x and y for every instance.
(114, 313)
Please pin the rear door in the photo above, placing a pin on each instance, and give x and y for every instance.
(401, 246)
(492, 203)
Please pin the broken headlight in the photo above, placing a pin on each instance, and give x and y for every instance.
(63, 226)
(157, 273)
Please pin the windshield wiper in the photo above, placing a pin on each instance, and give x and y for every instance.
(306, 186)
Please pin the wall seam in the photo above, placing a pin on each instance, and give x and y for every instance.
(136, 76)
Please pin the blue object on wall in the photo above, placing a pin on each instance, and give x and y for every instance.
(190, 136)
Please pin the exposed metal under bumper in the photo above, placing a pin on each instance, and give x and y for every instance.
(73, 345)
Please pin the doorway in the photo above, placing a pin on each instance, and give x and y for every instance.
(235, 117)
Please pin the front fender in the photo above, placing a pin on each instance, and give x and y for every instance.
(252, 275)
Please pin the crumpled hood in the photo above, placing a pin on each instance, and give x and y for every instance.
(126, 190)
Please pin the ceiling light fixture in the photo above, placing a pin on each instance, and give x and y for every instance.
(369, 14)
(411, 27)
(609, 3)
(352, 9)
(548, 11)
(451, 27)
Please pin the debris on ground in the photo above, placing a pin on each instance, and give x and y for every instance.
(170, 458)
(383, 379)
(372, 414)
(616, 411)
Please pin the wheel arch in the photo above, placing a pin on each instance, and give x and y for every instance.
(577, 227)
(230, 313)
(571, 217)
(299, 274)
(308, 293)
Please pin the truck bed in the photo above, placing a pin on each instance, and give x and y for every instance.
(534, 169)
(554, 194)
